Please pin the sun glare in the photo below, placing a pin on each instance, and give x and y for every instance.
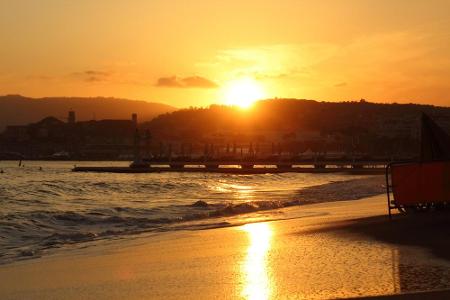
(243, 92)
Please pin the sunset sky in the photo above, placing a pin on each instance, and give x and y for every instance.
(195, 53)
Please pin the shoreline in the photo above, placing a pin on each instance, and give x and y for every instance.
(339, 250)
(201, 215)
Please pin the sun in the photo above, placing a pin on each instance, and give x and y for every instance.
(243, 92)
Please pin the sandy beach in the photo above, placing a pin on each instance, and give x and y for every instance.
(340, 249)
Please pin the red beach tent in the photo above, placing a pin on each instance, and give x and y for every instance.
(423, 184)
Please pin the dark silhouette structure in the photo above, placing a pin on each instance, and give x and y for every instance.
(435, 142)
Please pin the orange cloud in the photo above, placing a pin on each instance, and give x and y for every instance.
(109, 77)
(186, 82)
(92, 75)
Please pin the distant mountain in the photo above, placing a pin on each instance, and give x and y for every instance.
(19, 110)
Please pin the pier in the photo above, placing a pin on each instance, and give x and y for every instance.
(240, 159)
(246, 166)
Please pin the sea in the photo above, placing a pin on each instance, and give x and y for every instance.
(45, 206)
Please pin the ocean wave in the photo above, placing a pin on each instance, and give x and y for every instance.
(49, 229)
(59, 209)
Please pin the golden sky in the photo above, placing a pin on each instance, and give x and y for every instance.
(186, 52)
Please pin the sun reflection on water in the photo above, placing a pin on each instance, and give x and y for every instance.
(255, 271)
(239, 191)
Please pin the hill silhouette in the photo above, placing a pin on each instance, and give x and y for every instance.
(352, 128)
(19, 110)
(293, 115)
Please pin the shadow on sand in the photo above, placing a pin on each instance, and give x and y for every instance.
(430, 231)
(427, 230)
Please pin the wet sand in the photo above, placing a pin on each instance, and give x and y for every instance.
(340, 249)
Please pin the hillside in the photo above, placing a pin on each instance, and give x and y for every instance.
(293, 115)
(19, 110)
